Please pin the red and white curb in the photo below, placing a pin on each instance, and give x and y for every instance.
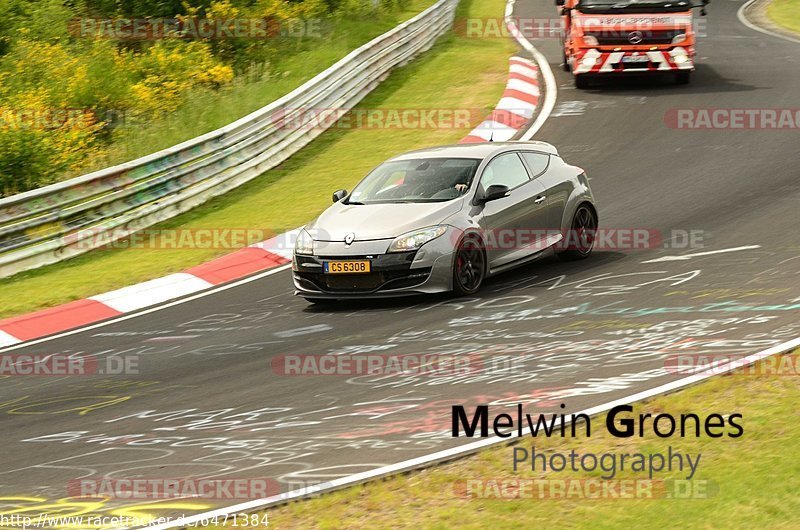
(256, 258)
(515, 109)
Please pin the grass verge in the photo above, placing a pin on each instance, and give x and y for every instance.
(459, 72)
(785, 13)
(206, 110)
(750, 482)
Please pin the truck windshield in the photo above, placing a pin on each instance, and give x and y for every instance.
(633, 6)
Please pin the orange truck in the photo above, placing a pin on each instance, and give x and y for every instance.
(617, 37)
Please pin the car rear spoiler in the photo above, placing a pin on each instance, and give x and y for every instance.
(540, 146)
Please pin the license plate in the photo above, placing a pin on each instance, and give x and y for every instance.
(346, 267)
(635, 59)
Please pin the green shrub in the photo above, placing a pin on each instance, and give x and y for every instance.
(45, 67)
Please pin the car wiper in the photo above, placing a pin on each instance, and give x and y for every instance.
(355, 203)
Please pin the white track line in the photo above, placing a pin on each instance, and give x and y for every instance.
(683, 257)
(743, 19)
(551, 90)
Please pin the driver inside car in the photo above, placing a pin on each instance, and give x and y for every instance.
(463, 180)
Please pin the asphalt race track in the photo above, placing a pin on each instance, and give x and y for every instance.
(208, 402)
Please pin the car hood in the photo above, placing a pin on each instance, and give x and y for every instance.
(379, 221)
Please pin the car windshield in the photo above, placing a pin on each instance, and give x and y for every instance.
(416, 180)
(633, 6)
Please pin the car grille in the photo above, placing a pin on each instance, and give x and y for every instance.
(350, 282)
(389, 271)
(364, 283)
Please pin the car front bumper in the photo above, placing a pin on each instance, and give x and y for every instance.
(427, 270)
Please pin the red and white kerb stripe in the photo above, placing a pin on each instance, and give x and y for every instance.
(515, 108)
(243, 262)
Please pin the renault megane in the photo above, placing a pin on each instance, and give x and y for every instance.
(444, 219)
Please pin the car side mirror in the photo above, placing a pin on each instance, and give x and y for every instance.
(338, 195)
(494, 192)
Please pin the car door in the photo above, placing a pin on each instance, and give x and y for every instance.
(513, 223)
(542, 168)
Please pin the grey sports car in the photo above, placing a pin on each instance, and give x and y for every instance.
(443, 219)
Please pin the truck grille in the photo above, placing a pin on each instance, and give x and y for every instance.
(630, 38)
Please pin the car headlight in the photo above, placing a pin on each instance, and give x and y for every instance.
(413, 240)
(590, 40)
(589, 61)
(304, 243)
(679, 38)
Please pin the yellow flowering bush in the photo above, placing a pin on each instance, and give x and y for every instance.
(290, 10)
(61, 94)
(168, 70)
(39, 142)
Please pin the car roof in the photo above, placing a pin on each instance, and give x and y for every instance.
(476, 150)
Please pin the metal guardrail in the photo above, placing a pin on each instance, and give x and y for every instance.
(68, 218)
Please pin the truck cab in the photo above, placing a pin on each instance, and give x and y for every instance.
(616, 37)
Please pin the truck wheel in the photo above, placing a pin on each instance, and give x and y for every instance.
(581, 81)
(683, 78)
(564, 63)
